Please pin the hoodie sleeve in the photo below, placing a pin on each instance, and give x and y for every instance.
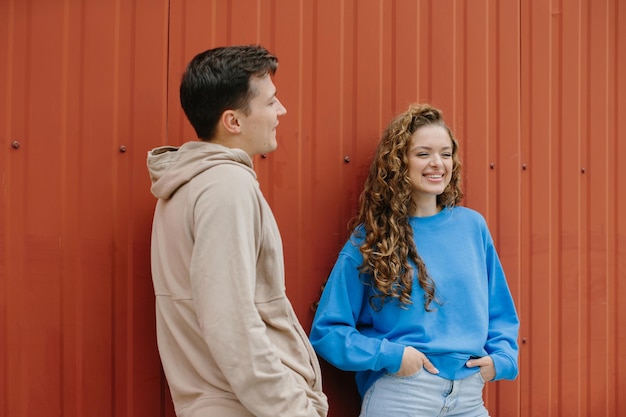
(227, 227)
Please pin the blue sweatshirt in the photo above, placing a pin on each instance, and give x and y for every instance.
(475, 315)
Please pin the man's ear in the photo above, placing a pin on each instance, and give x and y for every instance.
(230, 121)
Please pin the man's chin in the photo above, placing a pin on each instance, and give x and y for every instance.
(267, 150)
(272, 147)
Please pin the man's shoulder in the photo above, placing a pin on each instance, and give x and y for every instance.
(227, 173)
(225, 185)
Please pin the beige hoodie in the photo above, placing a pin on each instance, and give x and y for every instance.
(230, 342)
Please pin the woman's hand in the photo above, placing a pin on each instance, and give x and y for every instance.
(487, 369)
(413, 360)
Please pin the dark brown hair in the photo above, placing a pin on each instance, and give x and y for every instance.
(219, 79)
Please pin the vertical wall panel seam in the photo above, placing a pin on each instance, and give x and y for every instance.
(9, 249)
(586, 322)
(341, 69)
(560, 278)
(616, 193)
(381, 24)
(519, 138)
(300, 140)
(65, 236)
(580, 210)
(621, 238)
(168, 69)
(554, 342)
(611, 213)
(523, 351)
(114, 197)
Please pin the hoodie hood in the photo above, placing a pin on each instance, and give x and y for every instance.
(171, 167)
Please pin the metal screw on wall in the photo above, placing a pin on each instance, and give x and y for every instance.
(15, 144)
(123, 148)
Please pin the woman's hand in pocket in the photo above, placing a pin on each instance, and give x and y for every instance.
(413, 360)
(487, 369)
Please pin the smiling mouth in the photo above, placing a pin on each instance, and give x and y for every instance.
(434, 176)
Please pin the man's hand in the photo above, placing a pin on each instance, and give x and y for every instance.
(413, 360)
(487, 369)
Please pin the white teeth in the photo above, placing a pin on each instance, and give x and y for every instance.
(434, 176)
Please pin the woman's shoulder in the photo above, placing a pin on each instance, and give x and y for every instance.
(351, 248)
(356, 239)
(468, 214)
(464, 210)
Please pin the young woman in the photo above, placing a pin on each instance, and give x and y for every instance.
(417, 303)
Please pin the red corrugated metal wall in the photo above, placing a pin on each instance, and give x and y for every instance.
(83, 88)
(531, 88)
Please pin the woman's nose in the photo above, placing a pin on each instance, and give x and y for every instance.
(435, 160)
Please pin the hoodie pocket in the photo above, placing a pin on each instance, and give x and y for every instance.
(286, 333)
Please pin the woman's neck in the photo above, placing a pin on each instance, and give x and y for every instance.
(426, 208)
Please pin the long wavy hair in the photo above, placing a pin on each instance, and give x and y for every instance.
(385, 206)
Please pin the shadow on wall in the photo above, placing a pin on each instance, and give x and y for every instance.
(339, 386)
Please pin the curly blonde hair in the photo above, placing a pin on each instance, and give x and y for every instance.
(385, 206)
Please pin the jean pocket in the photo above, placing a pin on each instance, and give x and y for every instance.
(412, 376)
(480, 378)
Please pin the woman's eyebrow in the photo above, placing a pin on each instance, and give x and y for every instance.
(430, 147)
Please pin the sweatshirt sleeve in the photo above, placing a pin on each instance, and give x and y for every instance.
(503, 320)
(227, 228)
(334, 333)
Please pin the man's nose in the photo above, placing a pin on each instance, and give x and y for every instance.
(281, 110)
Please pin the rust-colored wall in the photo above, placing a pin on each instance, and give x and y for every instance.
(530, 87)
(79, 82)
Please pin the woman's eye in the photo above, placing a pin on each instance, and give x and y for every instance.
(446, 155)
(422, 154)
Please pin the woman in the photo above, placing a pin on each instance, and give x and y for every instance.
(417, 303)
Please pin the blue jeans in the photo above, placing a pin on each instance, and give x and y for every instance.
(425, 395)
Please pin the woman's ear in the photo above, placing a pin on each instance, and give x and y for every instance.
(230, 121)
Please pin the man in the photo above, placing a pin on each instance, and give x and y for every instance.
(229, 340)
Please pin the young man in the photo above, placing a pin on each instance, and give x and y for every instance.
(230, 342)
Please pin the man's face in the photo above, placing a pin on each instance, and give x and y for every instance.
(258, 127)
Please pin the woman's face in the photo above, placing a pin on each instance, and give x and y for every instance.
(430, 163)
